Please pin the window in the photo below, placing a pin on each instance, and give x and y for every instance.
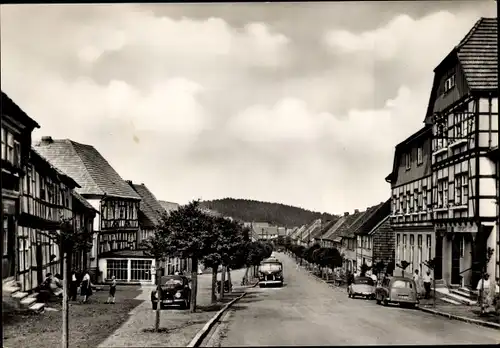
(408, 204)
(424, 199)
(449, 83)
(10, 147)
(4, 143)
(404, 246)
(402, 284)
(408, 160)
(445, 193)
(398, 246)
(420, 159)
(412, 250)
(429, 251)
(141, 270)
(117, 268)
(5, 235)
(17, 154)
(420, 252)
(465, 188)
(461, 246)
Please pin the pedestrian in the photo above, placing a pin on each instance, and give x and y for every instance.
(417, 280)
(112, 291)
(73, 287)
(86, 287)
(427, 284)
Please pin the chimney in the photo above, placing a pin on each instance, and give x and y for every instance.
(128, 182)
(356, 211)
(346, 213)
(47, 139)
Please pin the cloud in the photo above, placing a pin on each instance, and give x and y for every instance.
(200, 102)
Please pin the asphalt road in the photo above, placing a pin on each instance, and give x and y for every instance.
(309, 312)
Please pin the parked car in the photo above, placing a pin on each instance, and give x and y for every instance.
(174, 290)
(361, 286)
(400, 290)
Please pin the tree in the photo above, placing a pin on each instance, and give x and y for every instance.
(364, 268)
(184, 233)
(378, 267)
(403, 265)
(70, 240)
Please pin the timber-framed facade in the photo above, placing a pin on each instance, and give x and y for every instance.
(463, 113)
(411, 200)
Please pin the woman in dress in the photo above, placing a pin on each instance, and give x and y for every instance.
(86, 287)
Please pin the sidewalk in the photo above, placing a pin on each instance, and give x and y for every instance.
(177, 327)
(465, 313)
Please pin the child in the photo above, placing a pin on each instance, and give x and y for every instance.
(112, 291)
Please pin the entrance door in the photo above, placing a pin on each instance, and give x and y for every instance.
(455, 259)
(8, 247)
(39, 263)
(438, 271)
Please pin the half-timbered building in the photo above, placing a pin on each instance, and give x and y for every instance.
(45, 201)
(463, 112)
(411, 198)
(84, 214)
(17, 127)
(115, 248)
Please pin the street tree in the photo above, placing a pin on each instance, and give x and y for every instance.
(184, 233)
(403, 265)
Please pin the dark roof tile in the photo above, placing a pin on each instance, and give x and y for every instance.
(149, 206)
(87, 166)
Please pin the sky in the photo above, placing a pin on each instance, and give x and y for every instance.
(294, 103)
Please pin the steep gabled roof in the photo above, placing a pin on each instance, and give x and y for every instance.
(384, 223)
(44, 164)
(425, 131)
(372, 217)
(83, 201)
(169, 206)
(297, 232)
(332, 232)
(9, 107)
(87, 166)
(321, 232)
(478, 55)
(149, 206)
(310, 228)
(344, 230)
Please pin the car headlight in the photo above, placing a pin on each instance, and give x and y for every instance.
(178, 294)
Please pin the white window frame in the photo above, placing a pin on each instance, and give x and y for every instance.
(398, 246)
(420, 158)
(449, 83)
(143, 269)
(420, 252)
(408, 160)
(405, 241)
(429, 246)
(114, 271)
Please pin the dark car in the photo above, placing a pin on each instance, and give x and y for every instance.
(271, 273)
(400, 290)
(174, 291)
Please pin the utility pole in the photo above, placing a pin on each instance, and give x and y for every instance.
(65, 274)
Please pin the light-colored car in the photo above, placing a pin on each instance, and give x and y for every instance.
(361, 286)
(400, 290)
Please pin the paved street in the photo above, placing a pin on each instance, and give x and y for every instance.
(308, 312)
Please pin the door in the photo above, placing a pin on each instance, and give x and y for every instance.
(438, 271)
(39, 263)
(455, 259)
(8, 249)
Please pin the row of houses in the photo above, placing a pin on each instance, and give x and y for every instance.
(57, 179)
(444, 196)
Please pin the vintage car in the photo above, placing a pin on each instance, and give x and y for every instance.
(173, 290)
(400, 290)
(271, 273)
(361, 286)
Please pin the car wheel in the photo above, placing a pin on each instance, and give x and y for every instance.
(386, 303)
(261, 286)
(154, 305)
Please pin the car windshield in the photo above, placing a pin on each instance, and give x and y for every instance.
(171, 281)
(363, 280)
(270, 267)
(402, 284)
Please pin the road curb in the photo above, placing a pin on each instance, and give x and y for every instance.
(200, 336)
(464, 319)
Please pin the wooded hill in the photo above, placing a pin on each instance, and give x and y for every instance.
(273, 213)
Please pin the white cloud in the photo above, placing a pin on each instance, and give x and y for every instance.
(420, 41)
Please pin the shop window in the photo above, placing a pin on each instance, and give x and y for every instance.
(141, 270)
(117, 268)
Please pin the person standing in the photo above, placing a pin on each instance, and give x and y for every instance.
(86, 287)
(112, 291)
(73, 287)
(416, 279)
(427, 284)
